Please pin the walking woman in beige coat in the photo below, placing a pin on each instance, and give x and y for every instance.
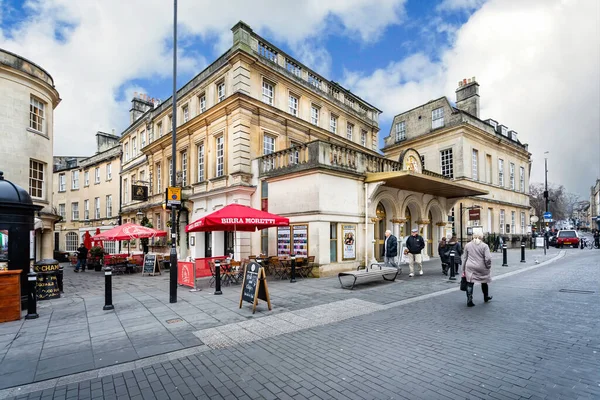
(477, 264)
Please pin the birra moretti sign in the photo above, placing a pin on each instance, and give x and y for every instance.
(248, 220)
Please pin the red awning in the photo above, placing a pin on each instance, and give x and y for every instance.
(128, 232)
(236, 217)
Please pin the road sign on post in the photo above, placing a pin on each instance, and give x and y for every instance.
(547, 215)
(173, 197)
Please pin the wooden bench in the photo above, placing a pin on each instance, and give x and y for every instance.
(375, 270)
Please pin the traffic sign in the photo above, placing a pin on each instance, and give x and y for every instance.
(547, 215)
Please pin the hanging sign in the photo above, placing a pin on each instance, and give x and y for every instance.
(254, 286)
(474, 214)
(139, 193)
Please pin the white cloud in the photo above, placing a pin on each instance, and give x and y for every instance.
(538, 64)
(453, 5)
(94, 49)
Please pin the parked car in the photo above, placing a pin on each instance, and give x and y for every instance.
(567, 237)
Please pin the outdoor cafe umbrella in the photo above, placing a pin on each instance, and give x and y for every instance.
(87, 240)
(237, 217)
(128, 232)
(97, 242)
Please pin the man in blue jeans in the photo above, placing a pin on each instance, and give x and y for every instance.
(82, 253)
(390, 250)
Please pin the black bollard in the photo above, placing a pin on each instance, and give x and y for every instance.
(59, 278)
(32, 296)
(504, 260)
(293, 275)
(522, 252)
(581, 243)
(108, 305)
(218, 277)
(545, 241)
(452, 276)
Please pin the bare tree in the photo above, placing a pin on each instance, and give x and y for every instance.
(561, 202)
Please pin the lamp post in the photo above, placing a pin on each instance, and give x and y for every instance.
(546, 181)
(173, 254)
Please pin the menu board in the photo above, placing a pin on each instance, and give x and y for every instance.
(300, 236)
(283, 241)
(254, 286)
(150, 265)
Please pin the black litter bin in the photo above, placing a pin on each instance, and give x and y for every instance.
(47, 279)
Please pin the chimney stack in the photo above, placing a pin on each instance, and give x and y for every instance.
(139, 105)
(467, 96)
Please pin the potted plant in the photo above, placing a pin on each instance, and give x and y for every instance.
(96, 256)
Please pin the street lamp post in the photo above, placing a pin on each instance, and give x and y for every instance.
(173, 255)
(546, 181)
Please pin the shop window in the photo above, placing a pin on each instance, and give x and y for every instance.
(333, 242)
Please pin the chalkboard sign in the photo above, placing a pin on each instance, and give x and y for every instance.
(47, 287)
(254, 286)
(150, 266)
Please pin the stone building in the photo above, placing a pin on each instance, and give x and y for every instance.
(594, 213)
(28, 98)
(454, 142)
(86, 194)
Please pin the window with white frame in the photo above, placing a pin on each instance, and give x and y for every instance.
(333, 123)
(268, 148)
(97, 208)
(86, 209)
(75, 180)
(125, 191)
(159, 128)
(221, 91)
(363, 137)
(142, 139)
(108, 171)
(267, 92)
(267, 52)
(500, 172)
(202, 103)
(512, 221)
(134, 146)
(86, 178)
(151, 134)
(36, 114)
(110, 247)
(36, 179)
(522, 179)
(314, 115)
(184, 167)
(512, 176)
(62, 182)
(400, 131)
(523, 230)
(126, 151)
(293, 67)
(142, 177)
(437, 118)
(474, 165)
(293, 105)
(502, 221)
(170, 165)
(157, 221)
(295, 155)
(109, 206)
(62, 211)
(447, 163)
(186, 113)
(75, 211)
(314, 80)
(97, 175)
(220, 156)
(349, 131)
(200, 149)
(71, 240)
(158, 178)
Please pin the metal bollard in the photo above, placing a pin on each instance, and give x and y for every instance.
(108, 305)
(545, 241)
(522, 252)
(32, 296)
(504, 260)
(59, 278)
(293, 275)
(581, 243)
(218, 277)
(452, 276)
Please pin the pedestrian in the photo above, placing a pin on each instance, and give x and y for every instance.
(597, 239)
(443, 255)
(390, 250)
(454, 245)
(414, 245)
(82, 253)
(477, 268)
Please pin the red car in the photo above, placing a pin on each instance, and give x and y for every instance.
(567, 238)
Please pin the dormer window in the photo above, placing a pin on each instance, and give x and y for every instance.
(437, 118)
(504, 131)
(400, 131)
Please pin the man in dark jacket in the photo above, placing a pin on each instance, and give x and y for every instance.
(414, 245)
(390, 250)
(82, 253)
(454, 245)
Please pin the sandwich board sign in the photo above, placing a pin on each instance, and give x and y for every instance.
(150, 265)
(254, 286)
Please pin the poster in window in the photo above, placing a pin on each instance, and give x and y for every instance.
(300, 235)
(349, 235)
(283, 241)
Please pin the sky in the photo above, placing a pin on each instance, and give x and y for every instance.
(537, 61)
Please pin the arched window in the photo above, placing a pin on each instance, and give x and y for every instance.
(71, 241)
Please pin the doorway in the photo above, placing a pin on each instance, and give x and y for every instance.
(229, 244)
(56, 241)
(380, 231)
(207, 244)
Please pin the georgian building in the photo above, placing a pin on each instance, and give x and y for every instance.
(86, 194)
(594, 213)
(453, 141)
(28, 98)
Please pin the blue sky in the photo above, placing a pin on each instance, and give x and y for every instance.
(537, 61)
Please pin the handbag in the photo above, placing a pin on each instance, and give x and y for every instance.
(463, 283)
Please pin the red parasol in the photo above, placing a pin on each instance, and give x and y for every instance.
(97, 242)
(236, 217)
(87, 240)
(128, 232)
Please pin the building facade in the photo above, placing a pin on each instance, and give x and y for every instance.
(594, 214)
(86, 194)
(486, 155)
(28, 98)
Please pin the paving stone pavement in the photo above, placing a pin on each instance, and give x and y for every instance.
(74, 334)
(537, 339)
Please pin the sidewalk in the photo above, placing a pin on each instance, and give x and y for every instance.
(74, 334)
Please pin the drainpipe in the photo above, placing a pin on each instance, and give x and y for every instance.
(366, 225)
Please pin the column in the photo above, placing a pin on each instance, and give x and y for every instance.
(424, 232)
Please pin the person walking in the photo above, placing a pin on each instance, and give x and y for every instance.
(82, 253)
(597, 239)
(444, 257)
(454, 245)
(414, 245)
(390, 250)
(477, 268)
